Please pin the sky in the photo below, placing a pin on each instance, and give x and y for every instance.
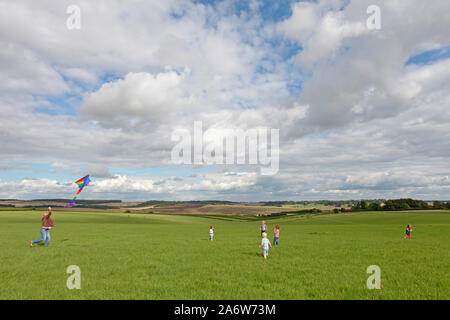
(361, 112)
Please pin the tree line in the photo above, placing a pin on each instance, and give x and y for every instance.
(399, 204)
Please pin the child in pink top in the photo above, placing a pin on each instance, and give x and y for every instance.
(276, 235)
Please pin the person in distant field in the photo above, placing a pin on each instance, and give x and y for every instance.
(47, 224)
(276, 235)
(265, 244)
(408, 232)
(263, 227)
(211, 233)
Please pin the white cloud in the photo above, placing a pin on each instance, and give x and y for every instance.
(97, 170)
(25, 72)
(138, 97)
(5, 167)
(80, 75)
(129, 187)
(300, 26)
(361, 112)
(327, 39)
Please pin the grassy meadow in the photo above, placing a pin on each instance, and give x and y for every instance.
(149, 256)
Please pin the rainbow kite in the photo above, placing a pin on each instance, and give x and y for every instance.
(83, 182)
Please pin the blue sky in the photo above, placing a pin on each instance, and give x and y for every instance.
(430, 56)
(352, 105)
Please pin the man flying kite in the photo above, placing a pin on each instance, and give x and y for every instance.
(83, 182)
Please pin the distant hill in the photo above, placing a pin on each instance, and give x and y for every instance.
(205, 207)
(78, 201)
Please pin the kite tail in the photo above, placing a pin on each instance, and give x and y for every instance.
(71, 204)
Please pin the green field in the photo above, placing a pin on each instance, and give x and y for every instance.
(137, 256)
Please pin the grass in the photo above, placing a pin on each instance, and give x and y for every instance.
(130, 256)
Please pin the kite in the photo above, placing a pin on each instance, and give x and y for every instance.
(83, 182)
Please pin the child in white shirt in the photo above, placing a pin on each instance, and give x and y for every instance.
(211, 233)
(265, 244)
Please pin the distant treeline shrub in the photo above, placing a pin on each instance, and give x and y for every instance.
(399, 204)
(7, 206)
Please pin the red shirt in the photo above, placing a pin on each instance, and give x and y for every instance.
(47, 221)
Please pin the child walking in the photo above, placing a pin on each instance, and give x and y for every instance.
(263, 227)
(211, 233)
(408, 232)
(265, 244)
(276, 235)
(47, 224)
